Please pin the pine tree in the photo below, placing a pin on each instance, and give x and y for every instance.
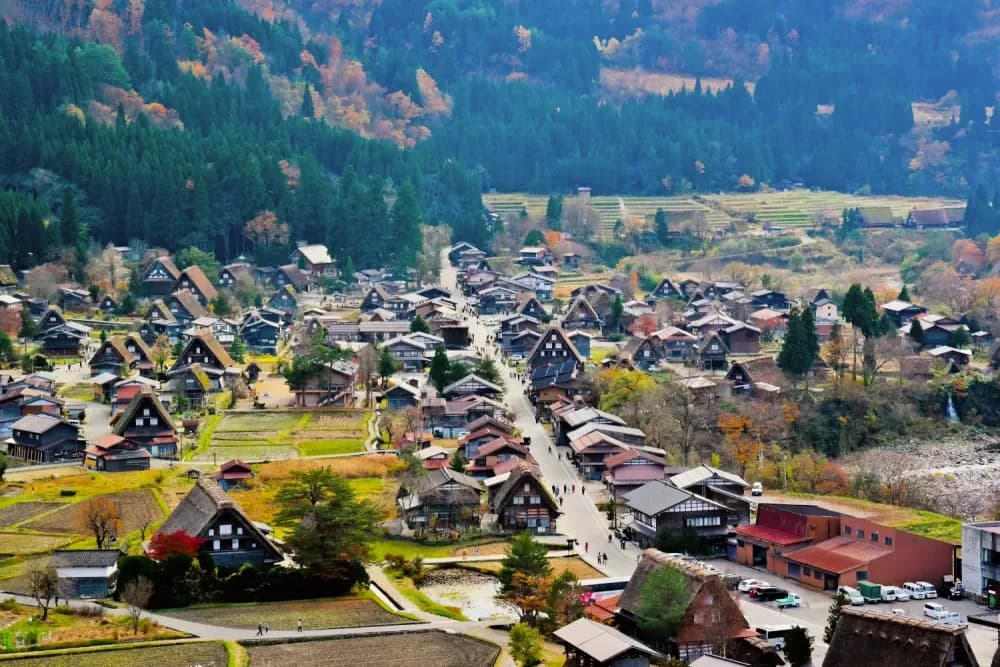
(238, 350)
(439, 369)
(419, 325)
(833, 617)
(308, 110)
(386, 364)
(917, 333)
(904, 294)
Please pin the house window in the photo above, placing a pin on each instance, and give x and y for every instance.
(239, 530)
(702, 521)
(536, 500)
(817, 575)
(139, 421)
(861, 533)
(847, 530)
(225, 529)
(518, 500)
(211, 532)
(236, 544)
(153, 421)
(888, 541)
(874, 537)
(862, 576)
(807, 571)
(145, 412)
(216, 545)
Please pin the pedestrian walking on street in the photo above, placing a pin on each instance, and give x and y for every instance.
(260, 629)
(586, 547)
(583, 489)
(561, 499)
(267, 628)
(300, 625)
(623, 543)
(609, 538)
(574, 488)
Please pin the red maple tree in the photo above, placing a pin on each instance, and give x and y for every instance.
(178, 543)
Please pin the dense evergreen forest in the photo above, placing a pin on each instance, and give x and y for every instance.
(178, 121)
(208, 155)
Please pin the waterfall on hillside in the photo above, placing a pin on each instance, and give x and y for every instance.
(950, 410)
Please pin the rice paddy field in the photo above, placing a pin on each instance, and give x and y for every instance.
(270, 436)
(792, 208)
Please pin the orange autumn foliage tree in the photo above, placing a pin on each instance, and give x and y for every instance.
(264, 229)
(967, 256)
(644, 325)
(744, 444)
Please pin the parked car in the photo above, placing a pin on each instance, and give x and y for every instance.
(934, 610)
(957, 591)
(952, 618)
(769, 594)
(757, 489)
(899, 595)
(888, 594)
(853, 596)
(916, 591)
(929, 590)
(744, 586)
(790, 600)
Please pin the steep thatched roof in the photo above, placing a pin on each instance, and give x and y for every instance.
(518, 478)
(651, 561)
(866, 638)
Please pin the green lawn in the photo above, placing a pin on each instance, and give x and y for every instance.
(408, 549)
(329, 447)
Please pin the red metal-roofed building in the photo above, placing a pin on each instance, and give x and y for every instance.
(233, 473)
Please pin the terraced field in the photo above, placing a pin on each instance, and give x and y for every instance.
(794, 208)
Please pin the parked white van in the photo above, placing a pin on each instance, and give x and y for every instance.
(852, 595)
(898, 593)
(916, 592)
(929, 590)
(888, 594)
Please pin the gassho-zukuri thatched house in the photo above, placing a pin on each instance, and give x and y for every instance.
(711, 607)
(867, 638)
(230, 537)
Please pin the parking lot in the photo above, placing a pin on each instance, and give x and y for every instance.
(816, 604)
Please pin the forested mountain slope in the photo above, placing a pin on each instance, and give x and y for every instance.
(179, 120)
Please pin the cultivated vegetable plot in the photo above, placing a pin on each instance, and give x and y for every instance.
(423, 648)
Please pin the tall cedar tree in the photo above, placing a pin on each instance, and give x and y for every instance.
(661, 227)
(440, 366)
(904, 294)
(553, 212)
(798, 646)
(799, 349)
(406, 236)
(917, 333)
(69, 226)
(308, 110)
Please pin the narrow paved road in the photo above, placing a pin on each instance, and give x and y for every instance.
(581, 519)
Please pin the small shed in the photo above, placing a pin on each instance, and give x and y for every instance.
(590, 643)
(86, 573)
(233, 474)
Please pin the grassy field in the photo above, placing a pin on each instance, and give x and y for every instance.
(20, 544)
(206, 654)
(15, 514)
(433, 648)
(410, 549)
(347, 612)
(64, 628)
(268, 435)
(259, 502)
